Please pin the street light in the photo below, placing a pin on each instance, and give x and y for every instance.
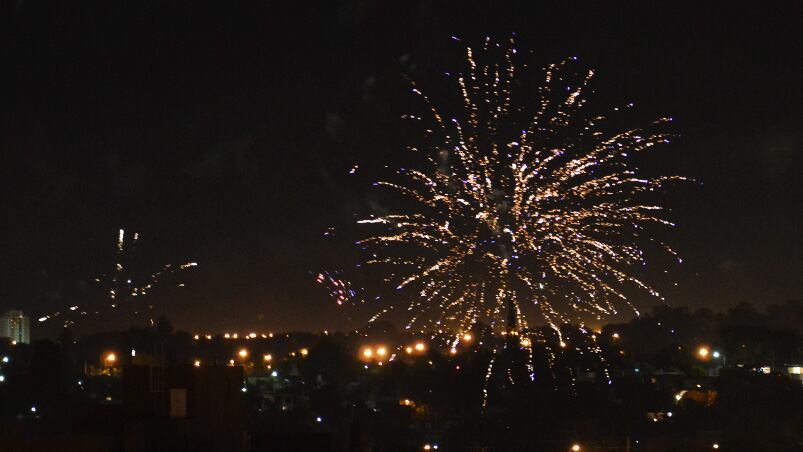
(110, 359)
(575, 447)
(243, 353)
(703, 352)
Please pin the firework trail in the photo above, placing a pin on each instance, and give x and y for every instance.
(121, 287)
(339, 289)
(524, 212)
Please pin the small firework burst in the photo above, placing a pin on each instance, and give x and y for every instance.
(121, 286)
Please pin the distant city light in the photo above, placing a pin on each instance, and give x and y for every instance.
(133, 353)
(408, 349)
(5, 359)
(525, 342)
(267, 357)
(467, 337)
(575, 447)
(304, 352)
(419, 346)
(197, 363)
(110, 359)
(318, 419)
(2, 378)
(703, 352)
(244, 389)
(243, 353)
(716, 354)
(615, 335)
(367, 353)
(274, 374)
(453, 351)
(33, 409)
(715, 445)
(381, 351)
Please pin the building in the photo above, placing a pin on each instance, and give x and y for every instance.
(16, 326)
(183, 408)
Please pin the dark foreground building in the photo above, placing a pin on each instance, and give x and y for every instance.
(183, 408)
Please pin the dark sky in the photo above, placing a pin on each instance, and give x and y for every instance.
(223, 133)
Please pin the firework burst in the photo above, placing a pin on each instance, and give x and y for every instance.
(524, 213)
(121, 286)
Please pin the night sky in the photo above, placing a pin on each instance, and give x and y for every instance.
(224, 133)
